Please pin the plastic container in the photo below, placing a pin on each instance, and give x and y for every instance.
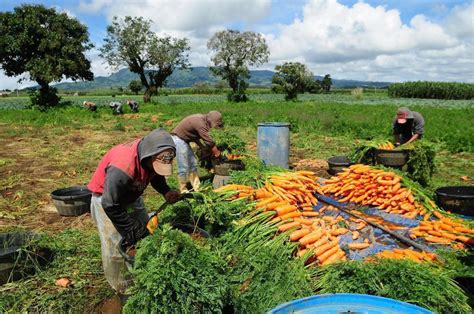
(457, 199)
(72, 201)
(273, 143)
(337, 164)
(223, 168)
(347, 303)
(391, 158)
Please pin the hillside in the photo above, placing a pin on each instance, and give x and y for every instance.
(187, 78)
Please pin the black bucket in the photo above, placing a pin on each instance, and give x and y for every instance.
(223, 168)
(456, 199)
(72, 201)
(14, 264)
(337, 164)
(187, 228)
(391, 157)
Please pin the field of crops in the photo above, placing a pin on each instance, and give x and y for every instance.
(44, 151)
(379, 98)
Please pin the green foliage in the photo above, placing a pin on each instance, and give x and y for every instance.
(326, 83)
(436, 90)
(420, 284)
(421, 161)
(210, 211)
(234, 52)
(131, 42)
(228, 142)
(292, 77)
(135, 86)
(173, 274)
(47, 45)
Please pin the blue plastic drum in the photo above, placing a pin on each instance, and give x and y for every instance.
(347, 303)
(273, 143)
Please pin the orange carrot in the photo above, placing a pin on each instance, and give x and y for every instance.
(292, 214)
(334, 258)
(322, 257)
(289, 225)
(298, 234)
(358, 246)
(311, 238)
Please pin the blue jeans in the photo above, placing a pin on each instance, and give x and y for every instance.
(185, 158)
(115, 270)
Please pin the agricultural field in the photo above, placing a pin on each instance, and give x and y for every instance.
(44, 151)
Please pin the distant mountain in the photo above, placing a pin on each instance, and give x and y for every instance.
(187, 78)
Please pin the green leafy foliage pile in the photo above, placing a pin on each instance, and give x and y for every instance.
(421, 284)
(436, 90)
(173, 274)
(210, 211)
(228, 142)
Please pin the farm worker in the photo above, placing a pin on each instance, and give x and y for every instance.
(116, 107)
(117, 206)
(408, 126)
(90, 105)
(133, 105)
(194, 128)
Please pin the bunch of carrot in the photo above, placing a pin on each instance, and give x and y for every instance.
(285, 192)
(405, 254)
(444, 231)
(365, 185)
(318, 235)
(387, 145)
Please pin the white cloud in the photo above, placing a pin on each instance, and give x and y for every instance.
(183, 15)
(372, 43)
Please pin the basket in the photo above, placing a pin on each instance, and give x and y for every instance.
(457, 199)
(337, 164)
(391, 158)
(224, 167)
(72, 201)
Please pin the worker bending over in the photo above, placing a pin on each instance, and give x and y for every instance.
(117, 206)
(194, 128)
(408, 126)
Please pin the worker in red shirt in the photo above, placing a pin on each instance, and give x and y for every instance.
(117, 207)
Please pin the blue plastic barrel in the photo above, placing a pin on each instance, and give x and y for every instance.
(273, 143)
(347, 303)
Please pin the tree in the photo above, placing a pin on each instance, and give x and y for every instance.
(293, 78)
(326, 83)
(130, 42)
(234, 52)
(135, 86)
(47, 45)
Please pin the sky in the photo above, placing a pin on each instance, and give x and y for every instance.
(372, 40)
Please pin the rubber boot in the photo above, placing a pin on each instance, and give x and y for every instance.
(195, 182)
(182, 185)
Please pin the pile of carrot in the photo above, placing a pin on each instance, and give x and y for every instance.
(365, 185)
(444, 230)
(318, 234)
(387, 145)
(285, 192)
(405, 254)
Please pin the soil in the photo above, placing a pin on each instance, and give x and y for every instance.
(109, 306)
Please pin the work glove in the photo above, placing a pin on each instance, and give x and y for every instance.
(215, 151)
(397, 144)
(152, 224)
(137, 232)
(172, 196)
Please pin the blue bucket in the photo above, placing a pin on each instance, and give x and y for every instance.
(347, 303)
(273, 143)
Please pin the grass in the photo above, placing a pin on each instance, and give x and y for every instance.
(45, 151)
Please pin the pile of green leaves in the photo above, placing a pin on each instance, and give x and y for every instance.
(210, 211)
(173, 274)
(421, 161)
(255, 174)
(421, 284)
(262, 272)
(228, 142)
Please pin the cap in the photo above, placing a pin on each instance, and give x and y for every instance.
(162, 168)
